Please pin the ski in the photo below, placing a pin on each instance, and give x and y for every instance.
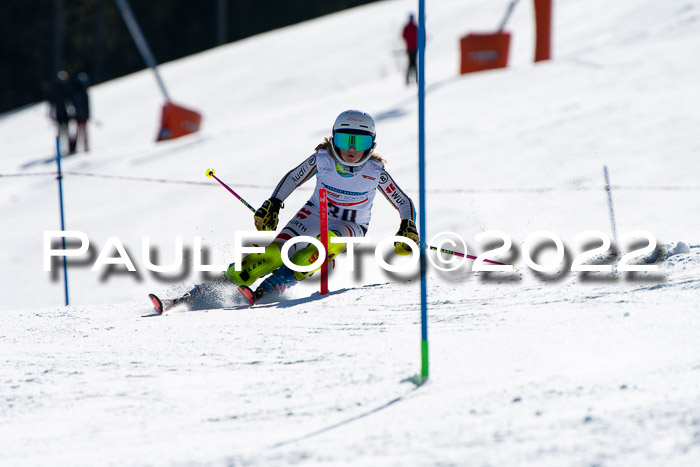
(161, 306)
(278, 282)
(247, 293)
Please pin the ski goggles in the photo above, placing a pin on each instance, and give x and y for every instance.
(359, 142)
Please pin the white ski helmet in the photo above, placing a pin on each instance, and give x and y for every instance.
(354, 122)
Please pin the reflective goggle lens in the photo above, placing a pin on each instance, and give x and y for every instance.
(359, 142)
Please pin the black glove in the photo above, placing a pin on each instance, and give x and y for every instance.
(267, 215)
(408, 230)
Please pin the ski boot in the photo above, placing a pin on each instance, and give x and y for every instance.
(309, 254)
(256, 265)
(280, 280)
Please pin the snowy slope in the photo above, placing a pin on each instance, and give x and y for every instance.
(526, 368)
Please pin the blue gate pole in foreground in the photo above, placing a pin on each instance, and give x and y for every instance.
(63, 224)
(421, 182)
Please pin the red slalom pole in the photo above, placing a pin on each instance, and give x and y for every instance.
(210, 173)
(323, 199)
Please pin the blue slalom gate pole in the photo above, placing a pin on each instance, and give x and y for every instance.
(421, 182)
(63, 224)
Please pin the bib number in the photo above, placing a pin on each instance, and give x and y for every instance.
(348, 215)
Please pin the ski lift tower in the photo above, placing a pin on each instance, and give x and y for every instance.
(176, 120)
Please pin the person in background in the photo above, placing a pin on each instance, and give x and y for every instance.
(81, 104)
(61, 106)
(410, 37)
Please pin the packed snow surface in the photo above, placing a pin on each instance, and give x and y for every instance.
(526, 368)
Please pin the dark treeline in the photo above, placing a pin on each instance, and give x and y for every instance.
(40, 37)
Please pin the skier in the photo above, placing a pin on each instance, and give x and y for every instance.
(346, 165)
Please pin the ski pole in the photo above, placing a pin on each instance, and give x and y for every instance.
(456, 253)
(210, 173)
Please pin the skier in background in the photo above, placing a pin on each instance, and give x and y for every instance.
(61, 107)
(81, 104)
(346, 165)
(410, 37)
